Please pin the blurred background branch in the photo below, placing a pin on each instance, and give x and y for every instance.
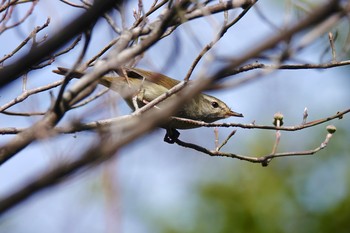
(127, 34)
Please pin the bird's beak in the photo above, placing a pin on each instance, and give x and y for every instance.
(235, 114)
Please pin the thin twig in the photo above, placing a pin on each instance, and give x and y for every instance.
(50, 59)
(258, 65)
(28, 13)
(278, 122)
(263, 160)
(210, 45)
(338, 115)
(331, 42)
(151, 10)
(25, 114)
(28, 93)
(226, 140)
(73, 4)
(216, 134)
(110, 122)
(26, 40)
(101, 52)
(76, 64)
(90, 99)
(305, 115)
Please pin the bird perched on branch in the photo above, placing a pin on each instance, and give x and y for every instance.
(139, 87)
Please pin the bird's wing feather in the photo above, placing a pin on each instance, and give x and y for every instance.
(153, 77)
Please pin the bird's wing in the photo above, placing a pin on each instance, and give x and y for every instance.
(153, 77)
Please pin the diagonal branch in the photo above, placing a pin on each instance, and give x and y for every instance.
(12, 72)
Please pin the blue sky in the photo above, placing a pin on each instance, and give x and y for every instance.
(149, 176)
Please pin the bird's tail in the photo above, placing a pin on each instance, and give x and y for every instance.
(70, 73)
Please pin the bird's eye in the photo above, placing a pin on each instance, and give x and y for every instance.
(214, 104)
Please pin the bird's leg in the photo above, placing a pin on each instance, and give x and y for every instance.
(134, 102)
(171, 135)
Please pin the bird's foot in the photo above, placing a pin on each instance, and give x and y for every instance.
(171, 136)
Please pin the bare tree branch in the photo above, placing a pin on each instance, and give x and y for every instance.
(263, 160)
(27, 93)
(83, 87)
(112, 134)
(12, 72)
(26, 40)
(4, 27)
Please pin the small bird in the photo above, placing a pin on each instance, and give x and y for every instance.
(144, 86)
